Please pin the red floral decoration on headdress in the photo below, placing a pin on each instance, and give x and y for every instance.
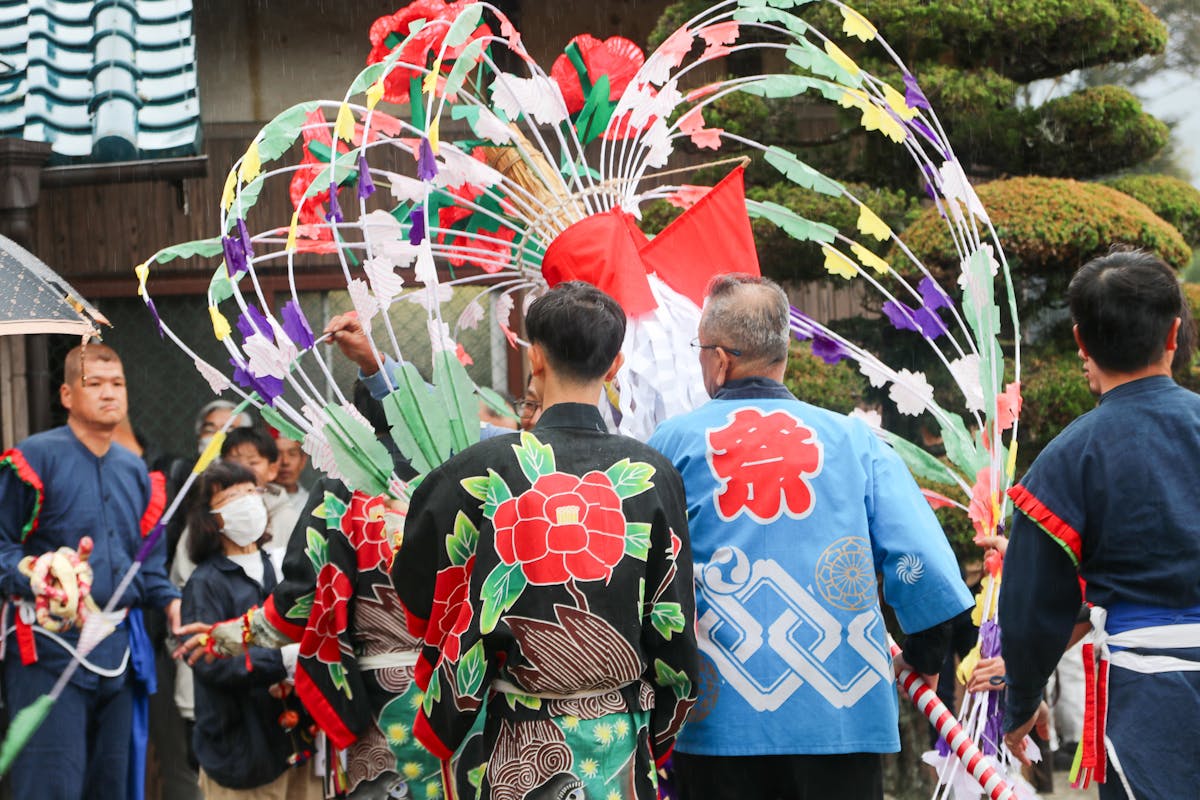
(616, 57)
(391, 29)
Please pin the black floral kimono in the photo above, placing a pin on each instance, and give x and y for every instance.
(550, 575)
(355, 673)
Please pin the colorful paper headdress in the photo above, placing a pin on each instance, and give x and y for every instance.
(545, 180)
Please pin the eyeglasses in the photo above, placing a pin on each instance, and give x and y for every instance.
(527, 406)
(696, 345)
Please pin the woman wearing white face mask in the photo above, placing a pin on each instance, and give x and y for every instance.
(239, 739)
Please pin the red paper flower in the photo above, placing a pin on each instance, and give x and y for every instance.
(312, 209)
(563, 527)
(423, 47)
(363, 525)
(451, 613)
(616, 57)
(329, 616)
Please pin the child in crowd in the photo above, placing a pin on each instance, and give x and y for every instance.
(256, 450)
(239, 739)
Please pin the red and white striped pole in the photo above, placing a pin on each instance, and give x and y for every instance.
(977, 764)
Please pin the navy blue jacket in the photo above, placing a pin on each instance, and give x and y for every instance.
(237, 739)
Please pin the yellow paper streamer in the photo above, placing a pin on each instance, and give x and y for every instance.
(1011, 467)
(855, 24)
(291, 239)
(853, 98)
(251, 164)
(434, 129)
(875, 118)
(343, 127)
(967, 665)
(227, 192)
(838, 264)
(220, 324)
(870, 224)
(374, 93)
(143, 272)
(898, 104)
(429, 83)
(210, 452)
(869, 259)
(841, 59)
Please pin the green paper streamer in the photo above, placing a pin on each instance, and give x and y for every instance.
(456, 391)
(281, 424)
(220, 288)
(419, 422)
(21, 728)
(360, 457)
(800, 173)
(281, 133)
(791, 223)
(205, 248)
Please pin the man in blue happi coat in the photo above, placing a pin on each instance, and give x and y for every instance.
(1112, 503)
(795, 511)
(55, 488)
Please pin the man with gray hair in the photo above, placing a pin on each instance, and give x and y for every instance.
(794, 511)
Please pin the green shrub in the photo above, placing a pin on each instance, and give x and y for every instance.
(838, 387)
(1176, 201)
(1049, 227)
(1054, 393)
(1023, 39)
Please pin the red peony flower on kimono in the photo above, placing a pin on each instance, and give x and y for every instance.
(364, 527)
(329, 616)
(451, 613)
(563, 527)
(391, 29)
(616, 57)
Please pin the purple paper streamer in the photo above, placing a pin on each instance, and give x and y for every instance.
(913, 94)
(335, 211)
(932, 294)
(268, 387)
(416, 222)
(923, 320)
(426, 164)
(254, 320)
(296, 326)
(929, 324)
(802, 325)
(366, 186)
(235, 256)
(247, 244)
(993, 728)
(151, 539)
(828, 350)
(989, 639)
(900, 315)
(157, 321)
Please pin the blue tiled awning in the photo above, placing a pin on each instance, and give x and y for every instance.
(100, 80)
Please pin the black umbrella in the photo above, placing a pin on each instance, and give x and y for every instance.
(34, 299)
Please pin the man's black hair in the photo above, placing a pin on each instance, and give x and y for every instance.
(579, 327)
(261, 440)
(1124, 304)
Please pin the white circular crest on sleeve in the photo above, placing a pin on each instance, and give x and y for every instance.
(910, 568)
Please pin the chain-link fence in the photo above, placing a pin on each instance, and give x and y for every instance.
(166, 391)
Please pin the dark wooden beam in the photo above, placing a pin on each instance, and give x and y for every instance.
(157, 169)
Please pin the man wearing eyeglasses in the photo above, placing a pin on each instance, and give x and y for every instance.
(794, 512)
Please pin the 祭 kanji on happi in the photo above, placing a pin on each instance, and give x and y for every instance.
(625, 400)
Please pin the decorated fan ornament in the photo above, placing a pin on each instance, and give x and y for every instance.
(548, 185)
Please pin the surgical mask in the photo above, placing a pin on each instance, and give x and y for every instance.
(202, 443)
(245, 519)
